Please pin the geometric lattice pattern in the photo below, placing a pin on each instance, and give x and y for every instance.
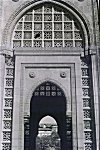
(88, 146)
(47, 26)
(6, 146)
(7, 104)
(7, 124)
(6, 136)
(48, 89)
(7, 113)
(86, 88)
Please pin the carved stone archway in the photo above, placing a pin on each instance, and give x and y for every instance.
(48, 99)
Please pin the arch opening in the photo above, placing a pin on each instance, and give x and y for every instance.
(48, 137)
(48, 103)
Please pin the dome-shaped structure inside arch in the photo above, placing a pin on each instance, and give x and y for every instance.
(47, 120)
(48, 25)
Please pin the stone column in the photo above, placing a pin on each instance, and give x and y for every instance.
(95, 94)
(2, 72)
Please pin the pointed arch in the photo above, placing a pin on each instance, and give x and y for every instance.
(48, 99)
(48, 88)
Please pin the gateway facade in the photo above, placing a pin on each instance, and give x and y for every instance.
(49, 63)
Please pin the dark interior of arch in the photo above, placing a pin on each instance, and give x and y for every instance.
(48, 99)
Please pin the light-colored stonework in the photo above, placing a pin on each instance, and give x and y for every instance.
(65, 53)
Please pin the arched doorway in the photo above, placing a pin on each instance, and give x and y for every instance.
(48, 137)
(48, 99)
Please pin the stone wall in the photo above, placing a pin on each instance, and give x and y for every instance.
(9, 7)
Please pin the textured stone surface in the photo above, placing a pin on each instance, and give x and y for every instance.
(27, 68)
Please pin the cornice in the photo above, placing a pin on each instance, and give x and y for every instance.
(49, 51)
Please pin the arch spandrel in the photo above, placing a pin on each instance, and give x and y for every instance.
(7, 38)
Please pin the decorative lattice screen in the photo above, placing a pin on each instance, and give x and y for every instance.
(8, 104)
(47, 26)
(48, 89)
(87, 104)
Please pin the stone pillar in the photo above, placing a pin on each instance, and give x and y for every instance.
(2, 72)
(26, 132)
(96, 98)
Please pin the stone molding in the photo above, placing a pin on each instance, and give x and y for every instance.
(49, 51)
(29, 93)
